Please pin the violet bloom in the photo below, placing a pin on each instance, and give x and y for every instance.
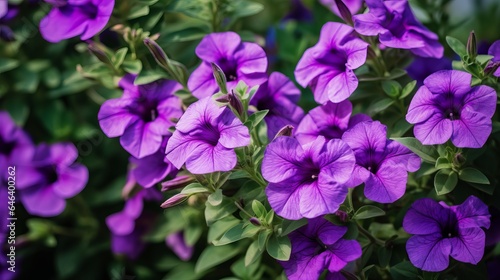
(352, 5)
(494, 50)
(328, 66)
(129, 225)
(71, 18)
(306, 181)
(447, 107)
(152, 169)
(54, 177)
(279, 95)
(382, 164)
(330, 120)
(176, 242)
(205, 138)
(240, 61)
(440, 231)
(397, 28)
(7, 13)
(318, 246)
(422, 67)
(142, 116)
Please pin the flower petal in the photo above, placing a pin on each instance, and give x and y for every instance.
(140, 140)
(281, 159)
(388, 184)
(436, 130)
(208, 159)
(429, 252)
(472, 213)
(71, 180)
(469, 246)
(284, 198)
(425, 216)
(471, 130)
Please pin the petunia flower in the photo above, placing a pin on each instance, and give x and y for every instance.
(440, 231)
(279, 95)
(205, 138)
(328, 66)
(240, 61)
(142, 116)
(152, 169)
(71, 18)
(330, 120)
(382, 164)
(54, 177)
(447, 107)
(306, 181)
(397, 28)
(176, 242)
(352, 5)
(318, 246)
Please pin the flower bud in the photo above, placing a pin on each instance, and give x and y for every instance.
(344, 12)
(159, 55)
(254, 221)
(220, 77)
(99, 52)
(176, 183)
(285, 131)
(223, 98)
(342, 216)
(472, 46)
(459, 160)
(174, 200)
(491, 68)
(235, 103)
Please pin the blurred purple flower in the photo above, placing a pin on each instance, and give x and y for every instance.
(53, 176)
(176, 242)
(398, 28)
(330, 120)
(440, 231)
(422, 67)
(205, 138)
(352, 5)
(298, 11)
(7, 13)
(494, 50)
(382, 164)
(152, 169)
(318, 246)
(142, 116)
(306, 181)
(328, 66)
(446, 106)
(279, 95)
(71, 18)
(240, 61)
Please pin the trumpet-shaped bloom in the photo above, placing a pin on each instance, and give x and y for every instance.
(398, 28)
(440, 231)
(240, 61)
(352, 5)
(330, 120)
(279, 95)
(318, 246)
(71, 18)
(447, 107)
(205, 138)
(54, 177)
(382, 164)
(328, 66)
(142, 116)
(306, 181)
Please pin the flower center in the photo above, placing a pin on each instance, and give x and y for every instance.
(321, 246)
(145, 109)
(6, 147)
(50, 173)
(452, 114)
(211, 135)
(229, 68)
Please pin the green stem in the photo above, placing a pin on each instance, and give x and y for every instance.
(370, 237)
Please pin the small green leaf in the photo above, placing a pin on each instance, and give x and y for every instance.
(442, 163)
(213, 256)
(215, 198)
(473, 175)
(445, 183)
(380, 106)
(269, 217)
(232, 235)
(132, 66)
(279, 247)
(391, 88)
(259, 209)
(367, 212)
(457, 46)
(404, 271)
(256, 118)
(253, 253)
(408, 89)
(489, 189)
(7, 64)
(214, 213)
(384, 255)
(263, 237)
(119, 57)
(427, 153)
(194, 188)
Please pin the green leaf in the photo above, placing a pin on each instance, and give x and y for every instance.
(215, 198)
(213, 256)
(253, 253)
(279, 247)
(18, 110)
(384, 256)
(217, 229)
(288, 226)
(256, 118)
(457, 46)
(132, 66)
(7, 64)
(243, 8)
(214, 213)
(119, 57)
(269, 217)
(489, 189)
(445, 183)
(473, 175)
(408, 89)
(391, 88)
(404, 271)
(427, 153)
(442, 163)
(259, 209)
(238, 232)
(263, 237)
(138, 11)
(367, 212)
(379, 106)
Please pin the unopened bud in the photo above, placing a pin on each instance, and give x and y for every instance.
(459, 160)
(472, 46)
(220, 77)
(223, 98)
(174, 200)
(235, 103)
(176, 183)
(285, 131)
(344, 12)
(99, 52)
(491, 68)
(159, 55)
(342, 216)
(255, 221)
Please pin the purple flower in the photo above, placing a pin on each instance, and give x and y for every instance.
(328, 66)
(440, 231)
(421, 67)
(446, 106)
(240, 61)
(398, 28)
(494, 50)
(53, 177)
(129, 225)
(382, 164)
(318, 246)
(205, 138)
(176, 242)
(352, 5)
(142, 116)
(71, 18)
(298, 11)
(330, 120)
(152, 169)
(306, 181)
(279, 95)
(7, 13)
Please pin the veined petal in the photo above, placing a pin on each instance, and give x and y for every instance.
(429, 252)
(469, 246)
(208, 159)
(58, 26)
(425, 217)
(71, 180)
(342, 252)
(388, 184)
(281, 159)
(320, 198)
(139, 140)
(446, 81)
(481, 99)
(422, 106)
(471, 130)
(114, 116)
(472, 213)
(436, 130)
(284, 198)
(218, 45)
